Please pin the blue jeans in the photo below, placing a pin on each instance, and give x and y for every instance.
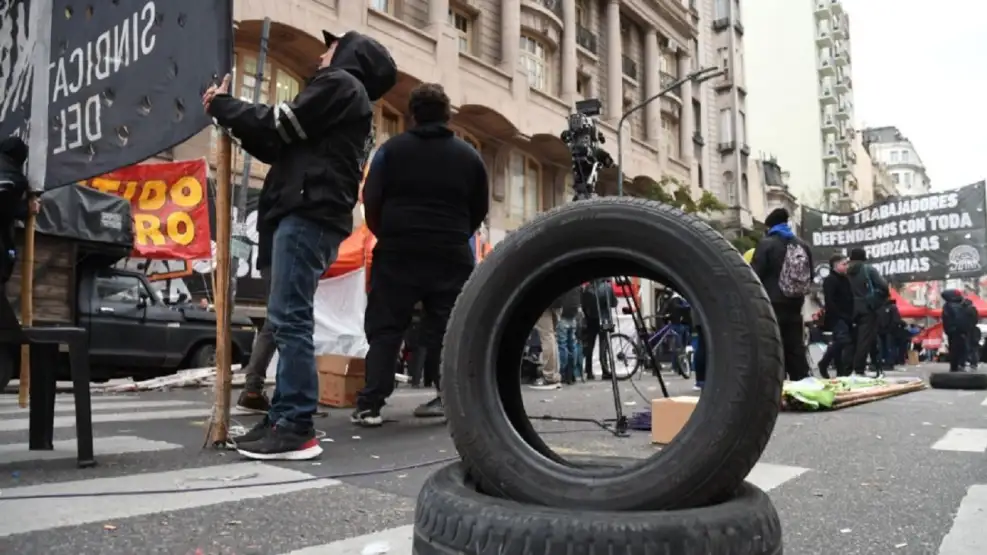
(302, 251)
(565, 335)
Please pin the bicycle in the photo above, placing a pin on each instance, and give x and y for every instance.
(631, 352)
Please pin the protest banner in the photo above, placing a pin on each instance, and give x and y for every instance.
(169, 205)
(936, 236)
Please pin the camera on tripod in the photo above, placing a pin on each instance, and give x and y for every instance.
(583, 139)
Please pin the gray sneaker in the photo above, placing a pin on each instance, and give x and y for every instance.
(542, 385)
(431, 409)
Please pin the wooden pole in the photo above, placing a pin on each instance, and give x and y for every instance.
(27, 307)
(220, 424)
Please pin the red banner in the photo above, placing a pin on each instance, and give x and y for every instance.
(169, 205)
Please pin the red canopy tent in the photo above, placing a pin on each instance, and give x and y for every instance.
(978, 303)
(907, 309)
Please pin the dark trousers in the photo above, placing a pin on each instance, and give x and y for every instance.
(839, 352)
(958, 346)
(889, 350)
(865, 340)
(260, 358)
(973, 349)
(590, 335)
(792, 341)
(302, 251)
(397, 283)
(699, 358)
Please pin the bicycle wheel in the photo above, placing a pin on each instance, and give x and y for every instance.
(685, 365)
(626, 355)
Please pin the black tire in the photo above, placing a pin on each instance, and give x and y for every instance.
(203, 356)
(620, 357)
(575, 243)
(973, 381)
(685, 365)
(452, 518)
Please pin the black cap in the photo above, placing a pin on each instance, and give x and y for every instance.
(329, 38)
(858, 254)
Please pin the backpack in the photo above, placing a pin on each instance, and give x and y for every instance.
(795, 278)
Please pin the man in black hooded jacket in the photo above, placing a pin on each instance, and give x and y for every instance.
(870, 294)
(426, 195)
(317, 145)
(957, 319)
(837, 318)
(15, 201)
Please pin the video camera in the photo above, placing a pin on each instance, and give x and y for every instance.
(583, 139)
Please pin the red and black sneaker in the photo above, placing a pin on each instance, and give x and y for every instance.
(282, 444)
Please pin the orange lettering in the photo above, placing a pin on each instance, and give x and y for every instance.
(181, 228)
(110, 186)
(147, 230)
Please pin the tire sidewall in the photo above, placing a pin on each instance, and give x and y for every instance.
(741, 398)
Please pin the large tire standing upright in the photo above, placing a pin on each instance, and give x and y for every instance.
(709, 459)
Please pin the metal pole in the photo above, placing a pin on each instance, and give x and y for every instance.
(241, 247)
(697, 76)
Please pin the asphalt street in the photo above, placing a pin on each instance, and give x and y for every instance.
(901, 476)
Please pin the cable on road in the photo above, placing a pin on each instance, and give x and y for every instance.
(341, 476)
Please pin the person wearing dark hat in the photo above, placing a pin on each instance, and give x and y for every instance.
(317, 145)
(16, 201)
(423, 220)
(784, 264)
(837, 318)
(870, 294)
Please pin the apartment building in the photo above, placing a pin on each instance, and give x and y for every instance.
(721, 104)
(890, 147)
(801, 108)
(874, 183)
(513, 69)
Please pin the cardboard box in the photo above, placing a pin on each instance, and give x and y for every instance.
(340, 378)
(668, 417)
(912, 358)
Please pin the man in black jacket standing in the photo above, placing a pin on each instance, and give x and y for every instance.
(317, 145)
(596, 295)
(426, 195)
(870, 294)
(837, 318)
(771, 257)
(16, 200)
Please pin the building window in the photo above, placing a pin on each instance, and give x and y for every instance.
(895, 178)
(908, 179)
(722, 9)
(584, 86)
(386, 6)
(464, 26)
(697, 116)
(388, 122)
(583, 13)
(524, 194)
(669, 64)
(894, 155)
(742, 130)
(279, 84)
(699, 176)
(726, 125)
(904, 156)
(625, 38)
(670, 134)
(534, 61)
(745, 192)
(468, 137)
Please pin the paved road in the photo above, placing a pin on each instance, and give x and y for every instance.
(896, 476)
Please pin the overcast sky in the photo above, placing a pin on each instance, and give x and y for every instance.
(922, 66)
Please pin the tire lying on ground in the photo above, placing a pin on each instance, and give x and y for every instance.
(452, 518)
(563, 248)
(958, 380)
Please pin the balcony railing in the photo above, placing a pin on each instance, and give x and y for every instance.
(586, 39)
(629, 66)
(554, 6)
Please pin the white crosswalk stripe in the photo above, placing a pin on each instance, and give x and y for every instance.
(65, 449)
(45, 511)
(102, 406)
(966, 537)
(967, 440)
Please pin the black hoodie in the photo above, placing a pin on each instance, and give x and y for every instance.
(316, 144)
(426, 191)
(870, 291)
(13, 198)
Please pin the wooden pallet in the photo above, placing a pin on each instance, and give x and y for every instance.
(854, 398)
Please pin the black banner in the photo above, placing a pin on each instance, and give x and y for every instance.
(125, 79)
(923, 238)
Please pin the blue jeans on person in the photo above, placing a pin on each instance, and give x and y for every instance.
(565, 336)
(699, 358)
(302, 250)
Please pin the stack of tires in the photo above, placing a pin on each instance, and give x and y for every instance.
(512, 495)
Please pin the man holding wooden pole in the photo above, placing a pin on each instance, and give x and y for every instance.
(316, 145)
